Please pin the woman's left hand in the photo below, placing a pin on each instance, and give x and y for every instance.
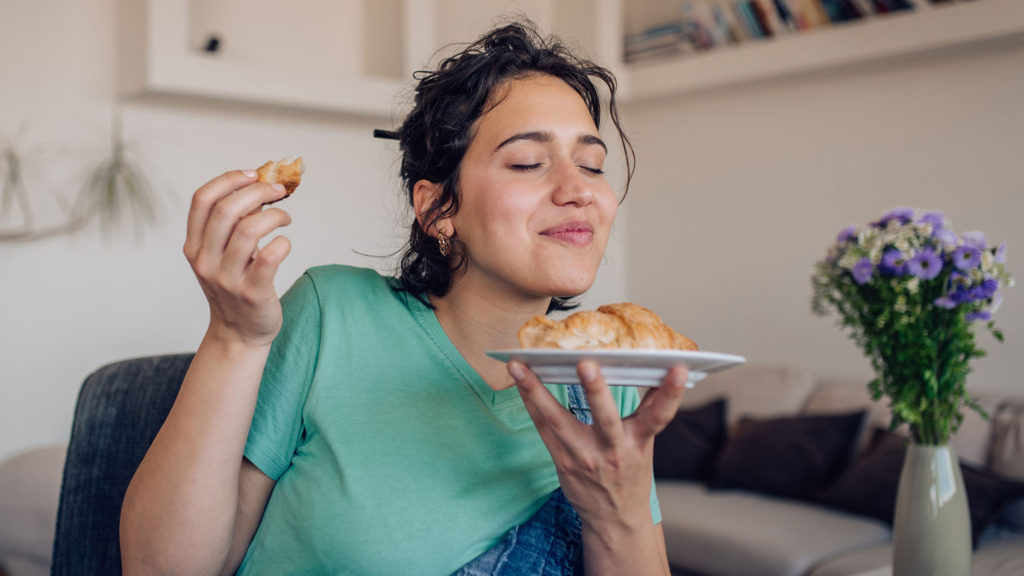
(605, 469)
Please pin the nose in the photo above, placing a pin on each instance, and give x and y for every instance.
(571, 186)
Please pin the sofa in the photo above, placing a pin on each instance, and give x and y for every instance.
(768, 471)
(712, 526)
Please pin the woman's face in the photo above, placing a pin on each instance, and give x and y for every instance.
(535, 209)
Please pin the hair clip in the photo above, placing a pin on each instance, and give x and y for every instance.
(385, 134)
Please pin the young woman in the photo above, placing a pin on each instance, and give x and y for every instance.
(356, 426)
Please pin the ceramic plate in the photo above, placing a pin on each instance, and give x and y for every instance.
(620, 367)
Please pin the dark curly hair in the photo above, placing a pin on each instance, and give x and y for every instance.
(437, 132)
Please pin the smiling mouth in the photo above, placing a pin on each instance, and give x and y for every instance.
(574, 233)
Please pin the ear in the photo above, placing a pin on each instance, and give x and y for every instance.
(424, 194)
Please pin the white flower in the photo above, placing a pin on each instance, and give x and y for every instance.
(901, 304)
(913, 285)
(987, 261)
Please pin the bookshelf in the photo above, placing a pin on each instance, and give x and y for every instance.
(158, 56)
(930, 30)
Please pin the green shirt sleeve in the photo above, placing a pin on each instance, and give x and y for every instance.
(277, 422)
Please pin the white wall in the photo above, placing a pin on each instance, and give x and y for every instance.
(71, 304)
(739, 191)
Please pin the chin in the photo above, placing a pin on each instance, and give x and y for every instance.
(568, 286)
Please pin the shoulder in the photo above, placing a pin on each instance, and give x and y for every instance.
(335, 273)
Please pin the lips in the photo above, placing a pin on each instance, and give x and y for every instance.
(575, 232)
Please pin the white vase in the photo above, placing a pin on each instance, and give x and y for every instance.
(932, 528)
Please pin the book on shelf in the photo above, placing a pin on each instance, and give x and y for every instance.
(707, 24)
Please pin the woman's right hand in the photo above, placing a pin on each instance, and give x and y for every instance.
(226, 222)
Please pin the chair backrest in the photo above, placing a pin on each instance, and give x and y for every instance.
(120, 409)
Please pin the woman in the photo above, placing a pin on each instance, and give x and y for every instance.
(371, 434)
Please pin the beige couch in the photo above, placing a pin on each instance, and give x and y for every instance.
(709, 532)
(717, 532)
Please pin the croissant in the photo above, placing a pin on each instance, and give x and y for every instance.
(611, 326)
(287, 172)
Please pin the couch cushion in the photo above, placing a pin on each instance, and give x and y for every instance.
(870, 485)
(999, 556)
(29, 495)
(741, 533)
(791, 457)
(1012, 516)
(1008, 441)
(687, 447)
(973, 441)
(838, 396)
(863, 561)
(754, 390)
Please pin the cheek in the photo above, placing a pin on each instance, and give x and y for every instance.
(608, 207)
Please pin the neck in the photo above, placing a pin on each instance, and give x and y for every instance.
(478, 320)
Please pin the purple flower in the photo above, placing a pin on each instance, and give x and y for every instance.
(902, 214)
(979, 315)
(946, 237)
(989, 287)
(926, 264)
(934, 218)
(847, 234)
(945, 302)
(966, 258)
(862, 271)
(1000, 253)
(978, 293)
(961, 295)
(974, 239)
(892, 263)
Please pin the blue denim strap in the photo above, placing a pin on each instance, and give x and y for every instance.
(578, 404)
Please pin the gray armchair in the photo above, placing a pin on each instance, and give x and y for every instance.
(120, 408)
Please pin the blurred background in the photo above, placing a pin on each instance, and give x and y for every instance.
(756, 141)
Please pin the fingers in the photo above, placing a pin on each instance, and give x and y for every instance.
(203, 201)
(229, 210)
(267, 260)
(659, 405)
(551, 418)
(603, 408)
(238, 254)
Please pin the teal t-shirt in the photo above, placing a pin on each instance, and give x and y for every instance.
(391, 455)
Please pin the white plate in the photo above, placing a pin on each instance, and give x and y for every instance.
(619, 367)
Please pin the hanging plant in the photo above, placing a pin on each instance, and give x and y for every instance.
(115, 190)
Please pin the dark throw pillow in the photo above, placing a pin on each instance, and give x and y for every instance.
(687, 447)
(791, 457)
(869, 486)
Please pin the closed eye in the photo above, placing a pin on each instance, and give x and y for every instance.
(593, 170)
(525, 167)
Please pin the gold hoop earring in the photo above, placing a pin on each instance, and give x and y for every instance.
(444, 245)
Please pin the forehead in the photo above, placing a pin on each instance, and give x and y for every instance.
(537, 101)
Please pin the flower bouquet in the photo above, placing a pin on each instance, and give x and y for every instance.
(912, 291)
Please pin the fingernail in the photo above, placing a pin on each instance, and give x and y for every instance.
(517, 370)
(278, 186)
(588, 370)
(249, 173)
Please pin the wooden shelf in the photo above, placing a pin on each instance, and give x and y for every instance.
(872, 40)
(155, 59)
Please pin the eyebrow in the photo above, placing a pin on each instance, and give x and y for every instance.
(538, 136)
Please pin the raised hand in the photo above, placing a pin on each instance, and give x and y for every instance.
(605, 469)
(225, 225)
